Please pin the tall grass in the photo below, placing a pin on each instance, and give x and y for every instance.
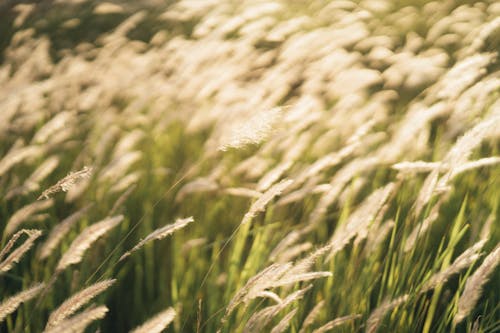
(250, 166)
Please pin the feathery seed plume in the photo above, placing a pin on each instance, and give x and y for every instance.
(67, 182)
(12, 303)
(251, 131)
(242, 192)
(158, 323)
(474, 285)
(336, 322)
(17, 254)
(25, 213)
(259, 320)
(83, 242)
(260, 204)
(75, 302)
(467, 258)
(160, 234)
(256, 285)
(60, 231)
(378, 314)
(79, 322)
(285, 322)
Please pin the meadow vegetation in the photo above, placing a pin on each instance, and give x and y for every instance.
(250, 166)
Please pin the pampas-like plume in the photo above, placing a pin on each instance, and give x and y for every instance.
(336, 322)
(12, 303)
(276, 275)
(256, 285)
(474, 285)
(482, 162)
(75, 302)
(467, 258)
(260, 204)
(273, 175)
(304, 265)
(25, 213)
(16, 255)
(270, 295)
(463, 147)
(289, 279)
(160, 234)
(242, 192)
(158, 323)
(416, 167)
(358, 222)
(67, 182)
(284, 323)
(60, 231)
(311, 317)
(259, 320)
(378, 314)
(251, 131)
(79, 322)
(88, 236)
(456, 160)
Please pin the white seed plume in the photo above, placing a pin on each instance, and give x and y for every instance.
(256, 285)
(77, 301)
(467, 258)
(260, 204)
(336, 322)
(475, 283)
(259, 320)
(10, 305)
(251, 131)
(67, 182)
(285, 322)
(272, 176)
(60, 231)
(378, 314)
(17, 254)
(160, 234)
(158, 323)
(86, 238)
(25, 213)
(79, 322)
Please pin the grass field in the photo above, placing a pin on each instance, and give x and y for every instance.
(250, 166)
